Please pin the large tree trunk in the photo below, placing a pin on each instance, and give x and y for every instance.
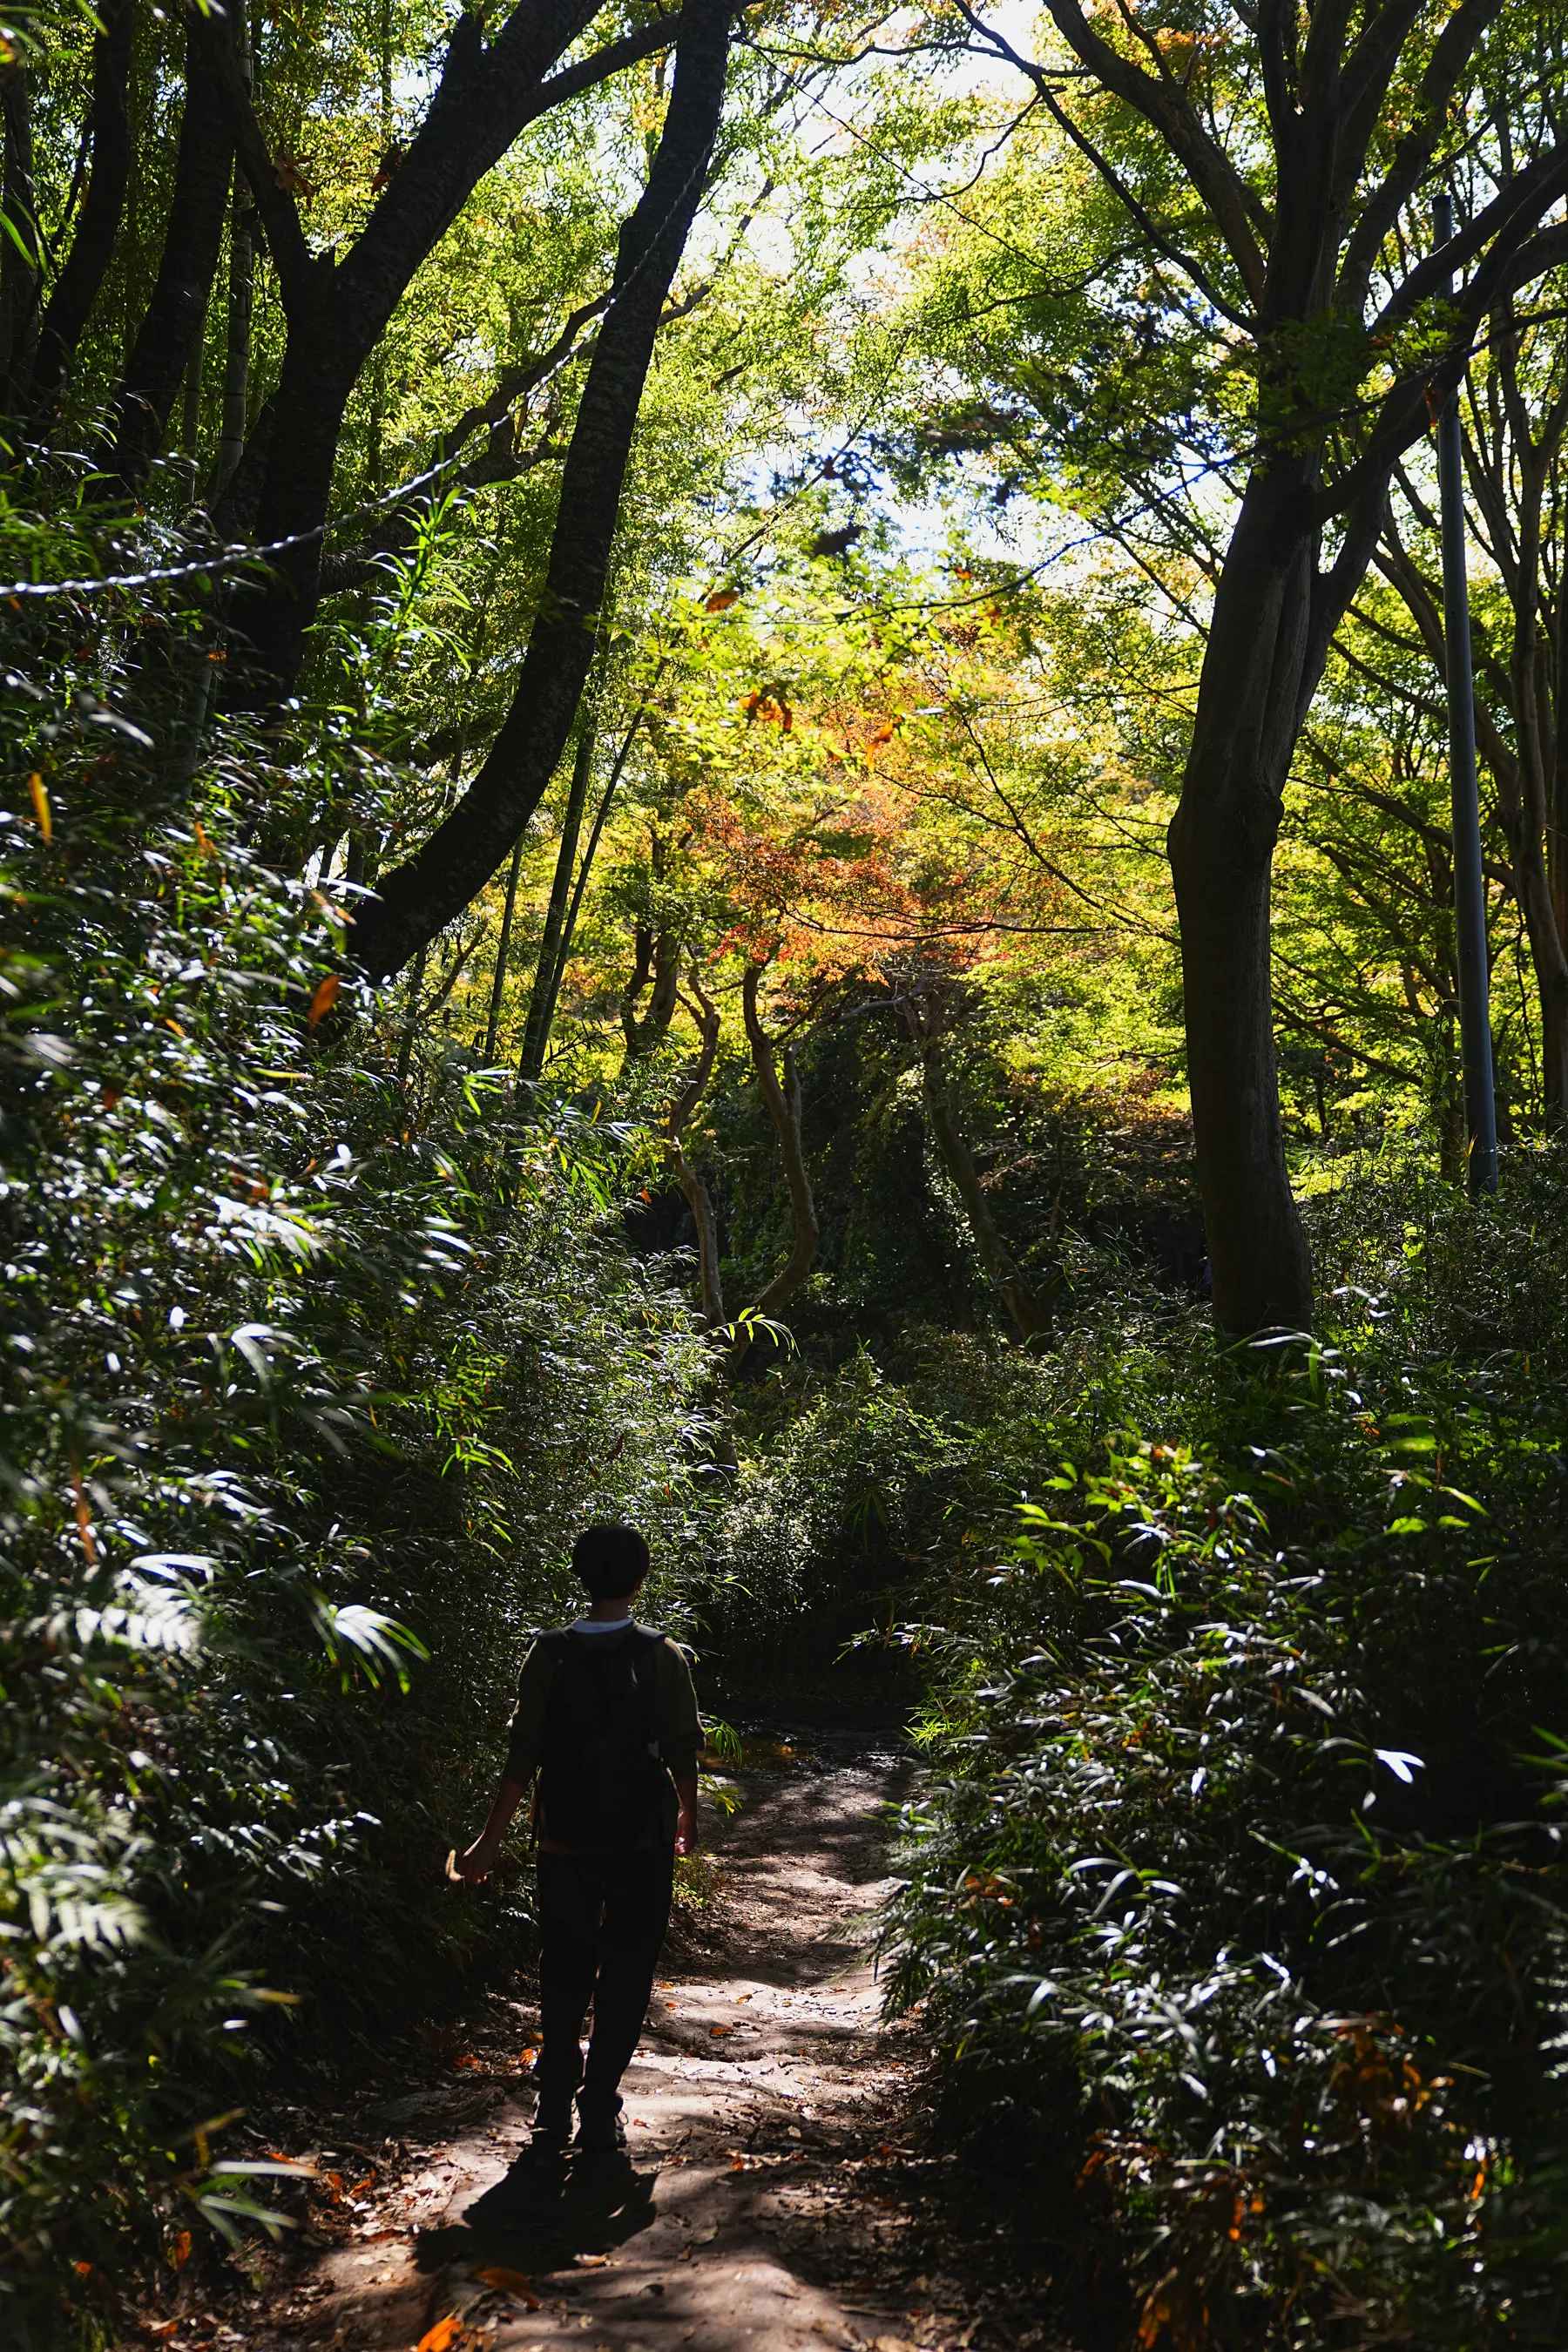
(193, 240)
(422, 896)
(98, 224)
(1259, 671)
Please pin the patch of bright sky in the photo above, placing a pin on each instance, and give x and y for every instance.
(929, 533)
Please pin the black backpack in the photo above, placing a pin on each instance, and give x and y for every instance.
(601, 1780)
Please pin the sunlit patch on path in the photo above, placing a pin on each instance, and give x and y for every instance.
(751, 2208)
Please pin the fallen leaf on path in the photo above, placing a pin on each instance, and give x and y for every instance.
(716, 2031)
(159, 2328)
(442, 2337)
(510, 2282)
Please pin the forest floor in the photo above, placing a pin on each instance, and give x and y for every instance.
(775, 2194)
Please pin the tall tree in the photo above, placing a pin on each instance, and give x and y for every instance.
(20, 255)
(337, 309)
(420, 897)
(175, 316)
(86, 264)
(1281, 165)
(1515, 421)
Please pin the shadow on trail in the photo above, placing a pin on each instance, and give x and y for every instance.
(545, 2212)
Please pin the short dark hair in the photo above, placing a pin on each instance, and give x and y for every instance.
(611, 1560)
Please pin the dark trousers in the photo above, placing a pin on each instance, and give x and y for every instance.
(602, 1918)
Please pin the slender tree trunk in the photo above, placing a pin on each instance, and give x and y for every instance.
(19, 250)
(1557, 781)
(193, 240)
(782, 1099)
(191, 412)
(551, 946)
(503, 946)
(690, 1178)
(1031, 1312)
(239, 316)
(421, 898)
(1526, 806)
(97, 223)
(658, 960)
(238, 328)
(1524, 758)
(704, 1218)
(585, 867)
(1258, 674)
(1524, 761)
(411, 1017)
(1526, 824)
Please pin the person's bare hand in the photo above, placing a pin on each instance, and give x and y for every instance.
(686, 1834)
(477, 1862)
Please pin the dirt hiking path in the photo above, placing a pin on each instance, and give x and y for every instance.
(763, 2199)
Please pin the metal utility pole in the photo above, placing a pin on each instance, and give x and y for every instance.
(1470, 885)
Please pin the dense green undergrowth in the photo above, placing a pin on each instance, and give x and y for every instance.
(310, 1374)
(1235, 1899)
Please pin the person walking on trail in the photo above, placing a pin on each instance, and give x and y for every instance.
(607, 1718)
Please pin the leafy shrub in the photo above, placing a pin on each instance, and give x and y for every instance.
(1237, 1893)
(309, 1377)
(855, 1493)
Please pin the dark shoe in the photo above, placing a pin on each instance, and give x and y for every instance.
(601, 2131)
(552, 2122)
